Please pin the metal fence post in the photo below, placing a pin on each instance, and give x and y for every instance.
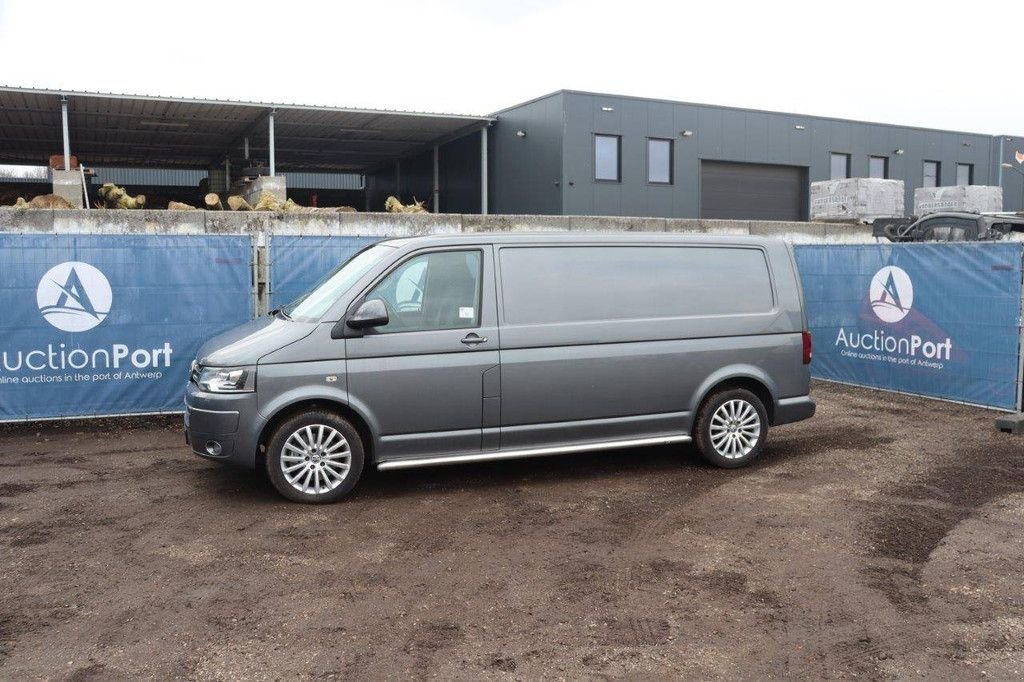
(1020, 338)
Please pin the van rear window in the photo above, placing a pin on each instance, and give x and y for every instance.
(544, 285)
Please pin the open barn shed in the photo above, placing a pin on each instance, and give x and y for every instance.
(178, 149)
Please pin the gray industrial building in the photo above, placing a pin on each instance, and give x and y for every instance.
(566, 153)
(581, 153)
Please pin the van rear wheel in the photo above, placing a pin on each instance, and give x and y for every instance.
(315, 457)
(732, 425)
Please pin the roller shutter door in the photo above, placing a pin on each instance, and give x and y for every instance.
(750, 191)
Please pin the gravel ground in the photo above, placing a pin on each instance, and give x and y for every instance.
(881, 539)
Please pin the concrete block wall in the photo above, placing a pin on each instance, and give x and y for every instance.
(323, 222)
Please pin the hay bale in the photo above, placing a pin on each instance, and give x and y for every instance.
(268, 202)
(49, 201)
(113, 196)
(128, 201)
(43, 201)
(393, 205)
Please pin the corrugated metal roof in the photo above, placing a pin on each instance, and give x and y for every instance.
(142, 130)
(164, 177)
(182, 177)
(236, 102)
(325, 180)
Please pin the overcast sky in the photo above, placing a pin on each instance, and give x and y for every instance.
(951, 65)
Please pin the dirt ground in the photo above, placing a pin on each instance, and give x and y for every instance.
(881, 539)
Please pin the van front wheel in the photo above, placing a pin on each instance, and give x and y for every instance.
(315, 457)
(731, 428)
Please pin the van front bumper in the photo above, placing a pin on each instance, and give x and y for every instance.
(216, 428)
(789, 410)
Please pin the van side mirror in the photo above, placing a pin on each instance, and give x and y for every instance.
(372, 313)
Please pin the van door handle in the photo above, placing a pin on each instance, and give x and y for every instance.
(472, 339)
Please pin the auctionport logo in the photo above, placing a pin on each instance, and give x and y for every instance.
(891, 294)
(74, 296)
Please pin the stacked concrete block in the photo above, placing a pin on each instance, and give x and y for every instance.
(68, 185)
(857, 199)
(970, 198)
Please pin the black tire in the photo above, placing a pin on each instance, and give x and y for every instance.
(731, 452)
(325, 467)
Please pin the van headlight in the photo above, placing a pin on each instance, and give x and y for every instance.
(227, 379)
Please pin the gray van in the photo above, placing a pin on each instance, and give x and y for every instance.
(466, 348)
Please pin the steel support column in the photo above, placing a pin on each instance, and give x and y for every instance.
(999, 164)
(483, 171)
(437, 182)
(67, 136)
(270, 131)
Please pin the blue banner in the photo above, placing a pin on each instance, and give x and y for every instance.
(939, 320)
(105, 325)
(297, 263)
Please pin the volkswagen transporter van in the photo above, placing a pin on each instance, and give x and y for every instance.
(466, 348)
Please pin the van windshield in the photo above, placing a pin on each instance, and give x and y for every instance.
(311, 306)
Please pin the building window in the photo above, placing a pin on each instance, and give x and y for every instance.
(840, 166)
(965, 174)
(878, 167)
(932, 174)
(607, 165)
(659, 161)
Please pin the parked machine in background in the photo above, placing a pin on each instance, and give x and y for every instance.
(950, 227)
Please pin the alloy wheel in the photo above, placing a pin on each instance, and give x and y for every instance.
(735, 429)
(316, 459)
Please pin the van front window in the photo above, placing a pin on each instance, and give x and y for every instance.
(311, 306)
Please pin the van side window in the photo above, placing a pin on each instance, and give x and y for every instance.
(551, 285)
(433, 291)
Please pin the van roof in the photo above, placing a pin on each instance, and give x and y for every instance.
(582, 237)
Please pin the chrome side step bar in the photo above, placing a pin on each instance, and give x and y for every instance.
(529, 452)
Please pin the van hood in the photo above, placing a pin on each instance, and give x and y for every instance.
(247, 343)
